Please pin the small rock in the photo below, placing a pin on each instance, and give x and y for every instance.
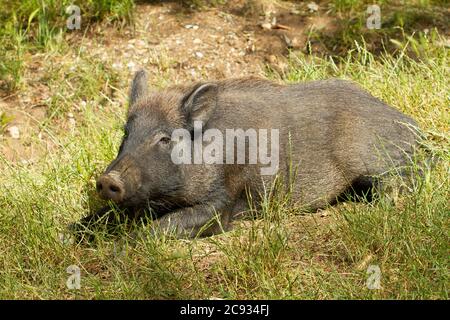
(312, 6)
(199, 55)
(266, 26)
(197, 41)
(14, 132)
(272, 58)
(191, 26)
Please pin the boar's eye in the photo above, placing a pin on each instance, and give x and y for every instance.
(164, 140)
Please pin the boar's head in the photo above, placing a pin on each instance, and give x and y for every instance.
(143, 171)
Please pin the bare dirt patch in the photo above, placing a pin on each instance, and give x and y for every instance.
(175, 45)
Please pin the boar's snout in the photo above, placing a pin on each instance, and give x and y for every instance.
(110, 187)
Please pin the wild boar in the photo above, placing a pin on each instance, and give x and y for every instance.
(337, 135)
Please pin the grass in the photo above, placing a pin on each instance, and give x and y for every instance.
(4, 121)
(33, 25)
(399, 20)
(12, 52)
(281, 253)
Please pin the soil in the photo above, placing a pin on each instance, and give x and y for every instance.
(175, 45)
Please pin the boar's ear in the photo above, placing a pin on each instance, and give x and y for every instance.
(138, 86)
(200, 104)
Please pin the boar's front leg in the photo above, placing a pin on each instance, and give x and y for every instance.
(203, 219)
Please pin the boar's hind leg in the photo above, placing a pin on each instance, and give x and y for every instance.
(203, 219)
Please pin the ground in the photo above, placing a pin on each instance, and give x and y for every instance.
(175, 45)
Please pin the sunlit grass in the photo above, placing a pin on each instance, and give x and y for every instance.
(280, 253)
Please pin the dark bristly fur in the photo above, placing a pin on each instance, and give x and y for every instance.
(336, 134)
